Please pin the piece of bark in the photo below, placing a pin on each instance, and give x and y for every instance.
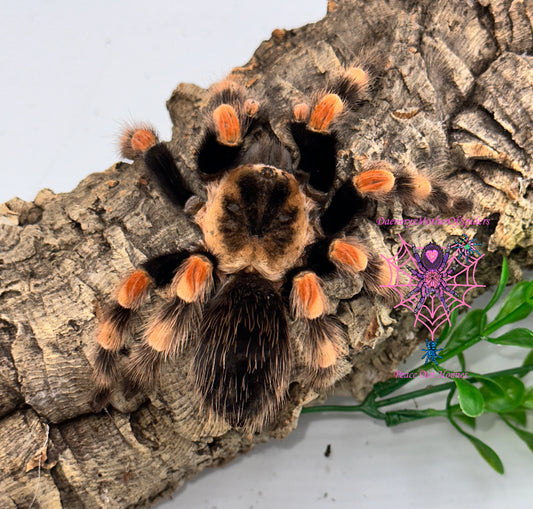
(455, 97)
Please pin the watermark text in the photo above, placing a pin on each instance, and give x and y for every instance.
(454, 221)
(430, 374)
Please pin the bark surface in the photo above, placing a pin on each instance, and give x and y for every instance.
(455, 97)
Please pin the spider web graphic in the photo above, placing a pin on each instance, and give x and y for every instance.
(432, 314)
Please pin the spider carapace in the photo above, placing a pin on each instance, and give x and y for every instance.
(268, 245)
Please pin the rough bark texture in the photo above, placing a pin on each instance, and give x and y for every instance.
(456, 96)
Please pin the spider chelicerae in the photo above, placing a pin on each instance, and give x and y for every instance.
(431, 273)
(268, 245)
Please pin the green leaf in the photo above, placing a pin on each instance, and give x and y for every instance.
(448, 327)
(470, 398)
(528, 399)
(526, 436)
(469, 327)
(469, 421)
(520, 293)
(516, 306)
(515, 337)
(490, 383)
(528, 361)
(461, 359)
(512, 397)
(486, 452)
(519, 416)
(504, 277)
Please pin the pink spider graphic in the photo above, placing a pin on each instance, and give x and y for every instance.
(432, 272)
(436, 286)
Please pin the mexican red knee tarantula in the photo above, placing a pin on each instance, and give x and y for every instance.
(267, 248)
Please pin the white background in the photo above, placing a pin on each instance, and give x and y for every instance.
(71, 72)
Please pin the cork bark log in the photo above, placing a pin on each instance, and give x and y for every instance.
(455, 97)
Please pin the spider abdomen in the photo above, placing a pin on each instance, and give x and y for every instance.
(242, 362)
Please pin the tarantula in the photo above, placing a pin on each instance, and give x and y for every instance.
(267, 247)
(431, 274)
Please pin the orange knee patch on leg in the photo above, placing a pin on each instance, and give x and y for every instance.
(301, 112)
(251, 107)
(422, 188)
(109, 336)
(133, 290)
(326, 354)
(142, 140)
(307, 296)
(194, 280)
(358, 77)
(376, 181)
(325, 112)
(136, 140)
(347, 254)
(160, 335)
(227, 125)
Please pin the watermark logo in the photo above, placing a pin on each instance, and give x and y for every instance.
(456, 221)
(430, 374)
(432, 352)
(433, 281)
(465, 248)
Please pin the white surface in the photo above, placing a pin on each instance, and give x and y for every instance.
(71, 73)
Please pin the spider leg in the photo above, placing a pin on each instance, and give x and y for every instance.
(112, 331)
(324, 350)
(415, 290)
(380, 181)
(307, 296)
(229, 116)
(423, 296)
(323, 338)
(141, 141)
(414, 272)
(131, 293)
(417, 258)
(313, 125)
(448, 289)
(348, 255)
(174, 324)
(446, 255)
(376, 182)
(440, 295)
